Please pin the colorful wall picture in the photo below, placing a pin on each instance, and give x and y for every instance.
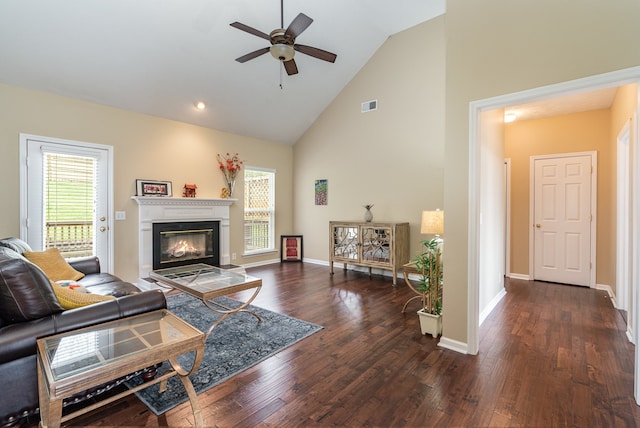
(291, 248)
(321, 191)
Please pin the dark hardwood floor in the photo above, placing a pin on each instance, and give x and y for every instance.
(550, 355)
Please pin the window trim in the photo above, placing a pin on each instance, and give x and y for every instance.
(272, 224)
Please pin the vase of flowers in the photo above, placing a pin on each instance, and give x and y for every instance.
(230, 166)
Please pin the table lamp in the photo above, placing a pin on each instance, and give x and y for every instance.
(432, 223)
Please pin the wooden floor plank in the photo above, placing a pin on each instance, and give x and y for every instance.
(550, 355)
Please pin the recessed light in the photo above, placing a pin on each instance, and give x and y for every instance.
(200, 105)
(509, 117)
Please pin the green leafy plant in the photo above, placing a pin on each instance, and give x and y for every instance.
(429, 266)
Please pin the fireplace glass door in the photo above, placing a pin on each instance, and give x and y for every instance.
(184, 243)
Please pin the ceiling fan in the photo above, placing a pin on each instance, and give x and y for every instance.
(283, 42)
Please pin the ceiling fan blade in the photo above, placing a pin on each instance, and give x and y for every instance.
(252, 55)
(250, 30)
(290, 67)
(316, 53)
(298, 25)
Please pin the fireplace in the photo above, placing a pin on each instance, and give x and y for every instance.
(154, 209)
(186, 242)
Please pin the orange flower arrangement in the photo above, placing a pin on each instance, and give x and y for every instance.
(230, 166)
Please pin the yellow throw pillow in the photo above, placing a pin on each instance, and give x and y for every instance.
(71, 299)
(53, 264)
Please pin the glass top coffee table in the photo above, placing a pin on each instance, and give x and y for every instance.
(78, 360)
(206, 282)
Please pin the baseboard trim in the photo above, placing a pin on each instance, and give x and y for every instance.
(453, 345)
(519, 276)
(612, 295)
(356, 268)
(262, 263)
(316, 262)
(485, 313)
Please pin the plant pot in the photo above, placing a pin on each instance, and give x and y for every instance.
(429, 323)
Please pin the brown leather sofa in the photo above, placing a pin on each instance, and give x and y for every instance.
(29, 310)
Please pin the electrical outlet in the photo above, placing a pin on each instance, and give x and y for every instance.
(233, 256)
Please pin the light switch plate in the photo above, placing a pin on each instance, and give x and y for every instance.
(121, 215)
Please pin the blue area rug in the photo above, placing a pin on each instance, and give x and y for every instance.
(239, 342)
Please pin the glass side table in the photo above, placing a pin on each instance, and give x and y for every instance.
(77, 360)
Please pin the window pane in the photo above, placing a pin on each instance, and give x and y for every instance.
(69, 193)
(259, 213)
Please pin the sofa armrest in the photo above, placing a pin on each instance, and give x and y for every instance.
(86, 265)
(19, 340)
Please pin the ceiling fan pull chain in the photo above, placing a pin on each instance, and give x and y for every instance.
(280, 68)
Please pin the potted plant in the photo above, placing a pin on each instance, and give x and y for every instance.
(429, 267)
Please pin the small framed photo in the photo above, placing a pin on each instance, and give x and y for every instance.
(153, 188)
(291, 248)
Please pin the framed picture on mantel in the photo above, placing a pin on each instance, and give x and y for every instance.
(291, 248)
(153, 188)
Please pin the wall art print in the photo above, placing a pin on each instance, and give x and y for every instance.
(321, 190)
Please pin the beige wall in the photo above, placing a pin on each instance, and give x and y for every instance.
(622, 112)
(144, 147)
(494, 48)
(392, 157)
(580, 132)
(492, 208)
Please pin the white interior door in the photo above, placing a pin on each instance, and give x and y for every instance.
(562, 219)
(66, 197)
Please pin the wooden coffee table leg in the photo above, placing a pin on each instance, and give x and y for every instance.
(50, 410)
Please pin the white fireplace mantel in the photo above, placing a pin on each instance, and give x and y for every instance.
(155, 209)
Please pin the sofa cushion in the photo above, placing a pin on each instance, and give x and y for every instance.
(25, 292)
(16, 244)
(53, 264)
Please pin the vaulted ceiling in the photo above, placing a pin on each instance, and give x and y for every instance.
(161, 56)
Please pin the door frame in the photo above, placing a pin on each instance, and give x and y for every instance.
(106, 265)
(507, 217)
(474, 224)
(623, 226)
(600, 81)
(594, 209)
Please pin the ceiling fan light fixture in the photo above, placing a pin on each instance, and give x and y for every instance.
(282, 52)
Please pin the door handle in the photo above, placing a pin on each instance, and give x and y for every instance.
(538, 225)
(102, 228)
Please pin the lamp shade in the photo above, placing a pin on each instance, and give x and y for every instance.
(432, 222)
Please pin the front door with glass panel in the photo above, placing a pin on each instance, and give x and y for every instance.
(66, 196)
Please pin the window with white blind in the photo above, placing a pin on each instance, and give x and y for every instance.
(259, 210)
(69, 203)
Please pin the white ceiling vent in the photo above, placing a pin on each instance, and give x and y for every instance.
(369, 106)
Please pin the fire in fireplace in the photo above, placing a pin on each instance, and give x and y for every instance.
(186, 242)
